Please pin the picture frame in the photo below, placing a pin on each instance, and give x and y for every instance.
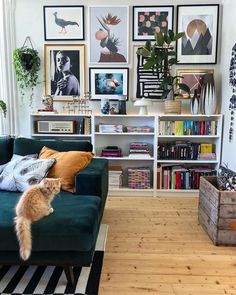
(109, 34)
(150, 19)
(110, 83)
(193, 78)
(146, 83)
(64, 66)
(200, 24)
(69, 19)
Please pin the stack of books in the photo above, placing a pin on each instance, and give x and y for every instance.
(110, 128)
(141, 129)
(115, 177)
(139, 150)
(111, 151)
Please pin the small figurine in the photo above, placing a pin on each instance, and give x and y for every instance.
(47, 101)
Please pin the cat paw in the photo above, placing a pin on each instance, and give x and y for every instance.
(51, 210)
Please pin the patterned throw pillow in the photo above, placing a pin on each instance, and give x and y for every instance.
(23, 171)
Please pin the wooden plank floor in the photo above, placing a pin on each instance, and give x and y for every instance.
(156, 246)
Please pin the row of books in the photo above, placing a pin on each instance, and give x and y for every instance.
(181, 150)
(179, 177)
(188, 127)
(83, 125)
(115, 177)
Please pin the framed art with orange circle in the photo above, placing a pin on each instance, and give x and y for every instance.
(200, 25)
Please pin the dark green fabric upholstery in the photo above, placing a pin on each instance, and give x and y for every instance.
(93, 180)
(25, 146)
(72, 226)
(6, 147)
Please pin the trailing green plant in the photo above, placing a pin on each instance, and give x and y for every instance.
(161, 56)
(27, 64)
(3, 106)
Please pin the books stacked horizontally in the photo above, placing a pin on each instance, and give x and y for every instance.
(115, 177)
(139, 178)
(111, 151)
(206, 152)
(179, 177)
(188, 127)
(139, 150)
(141, 129)
(110, 128)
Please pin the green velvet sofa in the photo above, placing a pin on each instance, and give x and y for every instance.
(68, 236)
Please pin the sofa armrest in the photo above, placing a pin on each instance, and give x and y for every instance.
(93, 180)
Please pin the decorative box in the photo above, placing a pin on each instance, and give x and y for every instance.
(139, 178)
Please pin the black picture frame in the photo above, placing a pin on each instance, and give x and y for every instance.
(105, 90)
(148, 33)
(67, 13)
(200, 43)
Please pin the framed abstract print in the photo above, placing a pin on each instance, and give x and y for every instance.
(64, 71)
(200, 24)
(108, 83)
(148, 20)
(63, 23)
(109, 34)
(146, 82)
(193, 78)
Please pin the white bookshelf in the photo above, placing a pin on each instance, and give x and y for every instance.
(123, 140)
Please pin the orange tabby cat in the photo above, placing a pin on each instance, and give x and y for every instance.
(34, 204)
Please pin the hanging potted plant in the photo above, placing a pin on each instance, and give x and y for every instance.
(27, 64)
(161, 56)
(3, 107)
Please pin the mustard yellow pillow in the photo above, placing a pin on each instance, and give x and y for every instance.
(66, 166)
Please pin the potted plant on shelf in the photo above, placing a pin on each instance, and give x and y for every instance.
(27, 64)
(161, 56)
(3, 107)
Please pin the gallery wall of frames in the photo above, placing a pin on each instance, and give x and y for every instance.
(97, 43)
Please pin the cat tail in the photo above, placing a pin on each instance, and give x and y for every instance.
(23, 232)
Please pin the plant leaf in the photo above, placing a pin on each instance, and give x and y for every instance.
(184, 87)
(144, 52)
(171, 34)
(159, 39)
(178, 36)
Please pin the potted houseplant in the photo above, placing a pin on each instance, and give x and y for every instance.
(161, 56)
(27, 64)
(3, 107)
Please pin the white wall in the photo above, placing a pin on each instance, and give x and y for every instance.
(228, 40)
(29, 22)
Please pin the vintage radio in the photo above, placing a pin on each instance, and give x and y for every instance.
(44, 126)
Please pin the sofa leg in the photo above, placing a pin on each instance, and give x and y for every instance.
(69, 275)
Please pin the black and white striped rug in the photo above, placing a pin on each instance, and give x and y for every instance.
(38, 280)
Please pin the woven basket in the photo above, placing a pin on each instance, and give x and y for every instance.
(172, 107)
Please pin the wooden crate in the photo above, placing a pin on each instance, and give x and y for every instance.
(217, 212)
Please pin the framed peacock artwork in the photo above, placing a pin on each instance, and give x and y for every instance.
(63, 23)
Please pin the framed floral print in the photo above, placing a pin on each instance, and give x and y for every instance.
(147, 20)
(108, 83)
(200, 25)
(109, 35)
(63, 23)
(64, 71)
(193, 78)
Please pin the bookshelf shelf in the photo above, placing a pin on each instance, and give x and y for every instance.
(189, 161)
(125, 133)
(61, 135)
(187, 136)
(127, 158)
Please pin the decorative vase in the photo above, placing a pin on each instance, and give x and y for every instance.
(172, 106)
(195, 103)
(208, 96)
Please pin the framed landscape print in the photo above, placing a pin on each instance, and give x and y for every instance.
(193, 78)
(150, 19)
(109, 35)
(64, 71)
(63, 23)
(108, 83)
(200, 24)
(146, 82)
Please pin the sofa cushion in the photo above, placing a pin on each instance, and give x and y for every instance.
(21, 172)
(24, 146)
(6, 143)
(66, 166)
(73, 225)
